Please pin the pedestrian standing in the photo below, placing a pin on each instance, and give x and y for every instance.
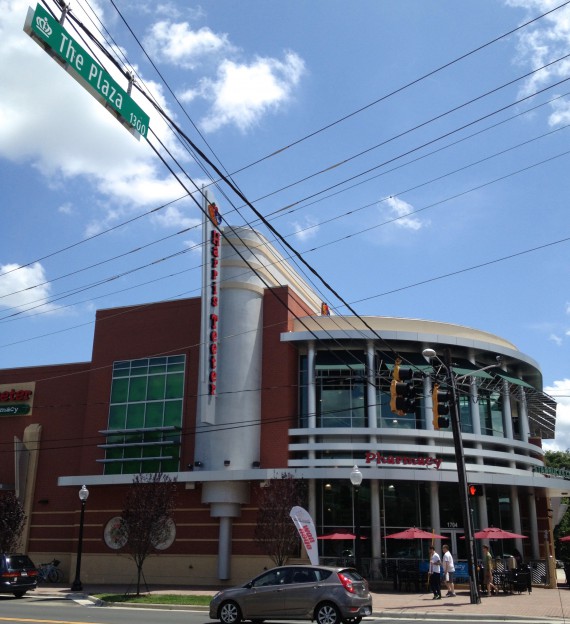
(448, 571)
(488, 567)
(434, 573)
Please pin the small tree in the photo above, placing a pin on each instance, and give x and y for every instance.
(275, 532)
(147, 517)
(12, 519)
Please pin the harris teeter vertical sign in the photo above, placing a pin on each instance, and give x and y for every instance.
(47, 32)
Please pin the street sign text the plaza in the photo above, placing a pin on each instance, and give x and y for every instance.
(51, 35)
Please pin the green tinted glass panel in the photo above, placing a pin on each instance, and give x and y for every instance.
(154, 413)
(139, 367)
(152, 466)
(173, 368)
(115, 453)
(174, 386)
(137, 389)
(155, 388)
(135, 415)
(170, 465)
(132, 467)
(113, 469)
(173, 413)
(131, 452)
(154, 369)
(117, 416)
(120, 390)
(153, 436)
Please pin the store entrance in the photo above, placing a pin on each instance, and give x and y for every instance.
(456, 545)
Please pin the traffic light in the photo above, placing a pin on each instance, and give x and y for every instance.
(440, 402)
(402, 397)
(475, 490)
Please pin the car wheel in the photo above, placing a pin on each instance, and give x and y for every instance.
(354, 620)
(19, 594)
(327, 613)
(230, 613)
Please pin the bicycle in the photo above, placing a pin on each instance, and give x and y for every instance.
(50, 572)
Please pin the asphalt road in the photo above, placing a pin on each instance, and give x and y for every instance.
(54, 610)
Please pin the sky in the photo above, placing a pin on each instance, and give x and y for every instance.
(415, 153)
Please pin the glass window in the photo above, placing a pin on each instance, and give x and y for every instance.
(154, 414)
(117, 416)
(174, 386)
(137, 389)
(156, 386)
(172, 413)
(119, 390)
(135, 416)
(146, 393)
(465, 414)
(491, 414)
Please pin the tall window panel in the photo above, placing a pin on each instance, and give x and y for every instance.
(145, 415)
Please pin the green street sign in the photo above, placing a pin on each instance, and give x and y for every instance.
(61, 46)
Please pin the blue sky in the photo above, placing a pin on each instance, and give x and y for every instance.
(425, 174)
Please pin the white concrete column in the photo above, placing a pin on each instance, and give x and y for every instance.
(474, 410)
(224, 550)
(507, 415)
(434, 506)
(523, 416)
(427, 414)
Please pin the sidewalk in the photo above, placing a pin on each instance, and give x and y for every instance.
(548, 605)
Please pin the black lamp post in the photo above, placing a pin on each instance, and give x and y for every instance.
(77, 585)
(430, 354)
(356, 480)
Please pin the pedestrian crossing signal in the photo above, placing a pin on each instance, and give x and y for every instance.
(475, 490)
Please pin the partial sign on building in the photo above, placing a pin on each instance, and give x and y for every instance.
(17, 399)
(49, 34)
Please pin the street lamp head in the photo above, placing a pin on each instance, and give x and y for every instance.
(83, 494)
(429, 354)
(355, 476)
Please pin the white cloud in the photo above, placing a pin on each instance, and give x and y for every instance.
(560, 391)
(541, 43)
(48, 120)
(399, 209)
(66, 208)
(555, 339)
(177, 43)
(19, 290)
(241, 94)
(567, 308)
(306, 229)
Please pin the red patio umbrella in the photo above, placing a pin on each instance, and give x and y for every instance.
(492, 533)
(339, 536)
(413, 533)
(566, 538)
